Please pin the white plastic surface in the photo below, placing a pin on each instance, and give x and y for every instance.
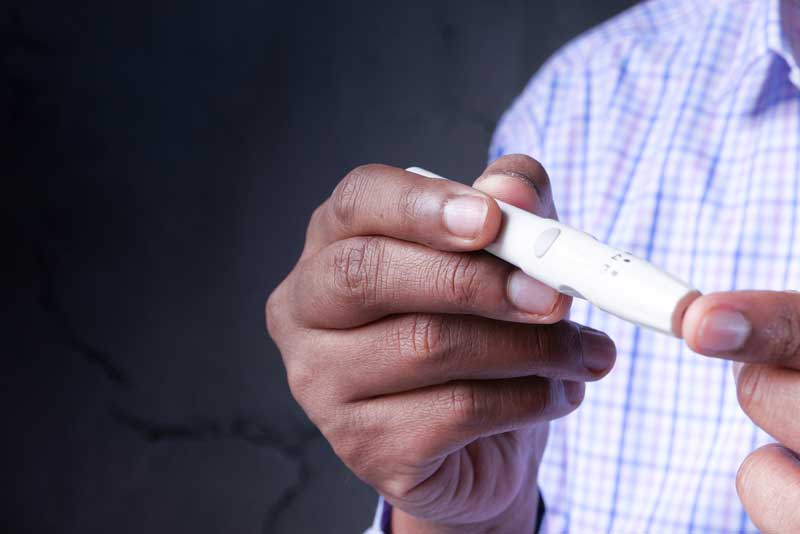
(545, 241)
(577, 264)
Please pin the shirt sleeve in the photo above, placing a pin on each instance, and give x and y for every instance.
(382, 522)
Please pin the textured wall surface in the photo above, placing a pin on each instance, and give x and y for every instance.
(159, 162)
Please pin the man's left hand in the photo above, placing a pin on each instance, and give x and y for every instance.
(760, 331)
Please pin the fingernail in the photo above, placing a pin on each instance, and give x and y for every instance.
(499, 180)
(465, 216)
(529, 295)
(573, 391)
(599, 352)
(723, 331)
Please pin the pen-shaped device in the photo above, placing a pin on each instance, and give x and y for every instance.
(577, 264)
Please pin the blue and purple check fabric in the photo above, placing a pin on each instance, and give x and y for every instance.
(671, 131)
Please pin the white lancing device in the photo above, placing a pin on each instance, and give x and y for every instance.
(577, 264)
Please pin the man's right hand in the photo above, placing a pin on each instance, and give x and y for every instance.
(430, 366)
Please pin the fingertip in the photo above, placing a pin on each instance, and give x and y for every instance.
(473, 220)
(714, 326)
(679, 312)
(599, 352)
(492, 224)
(561, 309)
(521, 181)
(574, 393)
(535, 301)
(556, 314)
(692, 319)
(512, 189)
(767, 486)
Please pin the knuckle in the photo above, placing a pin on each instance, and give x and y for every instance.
(785, 331)
(344, 441)
(317, 218)
(459, 280)
(401, 488)
(316, 393)
(557, 348)
(543, 340)
(349, 192)
(357, 269)
(355, 437)
(350, 451)
(411, 204)
(421, 338)
(273, 315)
(301, 377)
(468, 406)
(538, 398)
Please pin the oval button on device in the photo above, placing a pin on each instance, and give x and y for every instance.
(545, 241)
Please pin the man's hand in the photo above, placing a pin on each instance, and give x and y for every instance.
(762, 330)
(430, 366)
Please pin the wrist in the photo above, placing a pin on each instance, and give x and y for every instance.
(520, 516)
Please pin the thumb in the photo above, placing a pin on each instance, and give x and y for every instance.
(521, 181)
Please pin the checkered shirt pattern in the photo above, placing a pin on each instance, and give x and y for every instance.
(671, 131)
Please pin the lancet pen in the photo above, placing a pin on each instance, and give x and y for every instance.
(577, 264)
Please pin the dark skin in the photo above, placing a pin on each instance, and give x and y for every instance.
(433, 369)
(766, 352)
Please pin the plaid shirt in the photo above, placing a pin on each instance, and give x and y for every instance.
(672, 131)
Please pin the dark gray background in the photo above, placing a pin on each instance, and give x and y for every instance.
(159, 162)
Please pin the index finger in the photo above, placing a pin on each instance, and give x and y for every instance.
(748, 326)
(392, 202)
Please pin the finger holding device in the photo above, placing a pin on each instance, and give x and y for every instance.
(577, 264)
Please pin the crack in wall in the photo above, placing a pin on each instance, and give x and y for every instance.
(57, 315)
(255, 432)
(292, 492)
